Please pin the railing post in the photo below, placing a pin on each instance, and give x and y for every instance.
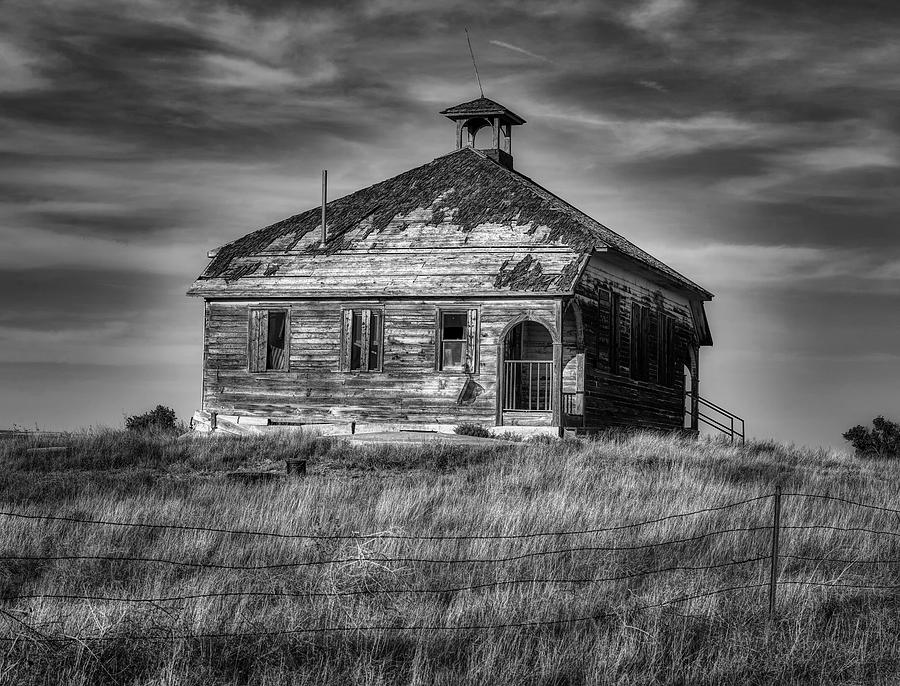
(776, 530)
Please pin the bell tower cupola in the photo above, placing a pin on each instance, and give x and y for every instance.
(471, 117)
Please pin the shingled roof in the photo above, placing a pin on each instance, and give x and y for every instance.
(462, 224)
(481, 107)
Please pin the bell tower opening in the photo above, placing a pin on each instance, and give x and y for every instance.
(491, 122)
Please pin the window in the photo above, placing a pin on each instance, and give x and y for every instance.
(640, 342)
(362, 340)
(610, 322)
(457, 335)
(665, 357)
(269, 337)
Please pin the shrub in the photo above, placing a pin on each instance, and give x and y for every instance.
(883, 440)
(509, 436)
(471, 429)
(160, 419)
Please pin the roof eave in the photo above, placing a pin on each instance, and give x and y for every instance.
(503, 114)
(245, 288)
(682, 284)
(501, 111)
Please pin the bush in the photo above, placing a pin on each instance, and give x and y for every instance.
(883, 440)
(509, 436)
(471, 429)
(160, 419)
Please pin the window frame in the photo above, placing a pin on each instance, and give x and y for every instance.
(665, 349)
(641, 323)
(347, 339)
(253, 351)
(471, 334)
(611, 305)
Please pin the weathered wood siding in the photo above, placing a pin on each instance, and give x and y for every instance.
(616, 399)
(409, 389)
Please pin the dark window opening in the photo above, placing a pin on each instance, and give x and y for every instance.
(269, 343)
(456, 341)
(356, 342)
(453, 340)
(275, 340)
(609, 324)
(640, 342)
(363, 335)
(375, 334)
(665, 355)
(614, 333)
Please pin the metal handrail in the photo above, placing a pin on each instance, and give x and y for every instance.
(730, 429)
(712, 405)
(713, 422)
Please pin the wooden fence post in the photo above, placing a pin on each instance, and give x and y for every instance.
(776, 530)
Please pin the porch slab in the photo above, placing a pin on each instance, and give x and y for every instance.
(526, 418)
(420, 437)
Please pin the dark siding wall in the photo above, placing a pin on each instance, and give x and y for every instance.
(315, 389)
(616, 399)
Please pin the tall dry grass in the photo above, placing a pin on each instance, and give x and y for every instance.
(821, 635)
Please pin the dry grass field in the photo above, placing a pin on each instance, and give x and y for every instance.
(323, 609)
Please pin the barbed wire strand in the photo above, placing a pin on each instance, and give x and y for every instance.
(843, 500)
(843, 528)
(380, 591)
(398, 560)
(341, 629)
(874, 587)
(840, 561)
(274, 534)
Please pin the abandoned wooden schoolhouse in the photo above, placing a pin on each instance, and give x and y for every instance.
(460, 291)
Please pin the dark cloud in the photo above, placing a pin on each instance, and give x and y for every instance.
(700, 166)
(185, 88)
(47, 299)
(121, 224)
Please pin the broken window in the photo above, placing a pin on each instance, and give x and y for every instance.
(457, 349)
(268, 344)
(362, 340)
(356, 340)
(375, 335)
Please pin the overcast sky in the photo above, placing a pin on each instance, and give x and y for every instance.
(751, 145)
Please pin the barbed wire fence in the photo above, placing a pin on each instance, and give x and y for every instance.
(774, 556)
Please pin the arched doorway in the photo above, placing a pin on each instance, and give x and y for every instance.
(527, 358)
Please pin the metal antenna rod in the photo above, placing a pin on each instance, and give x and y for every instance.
(324, 195)
(472, 53)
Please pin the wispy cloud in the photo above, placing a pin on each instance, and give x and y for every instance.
(669, 136)
(776, 267)
(523, 51)
(238, 72)
(19, 71)
(646, 83)
(659, 18)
